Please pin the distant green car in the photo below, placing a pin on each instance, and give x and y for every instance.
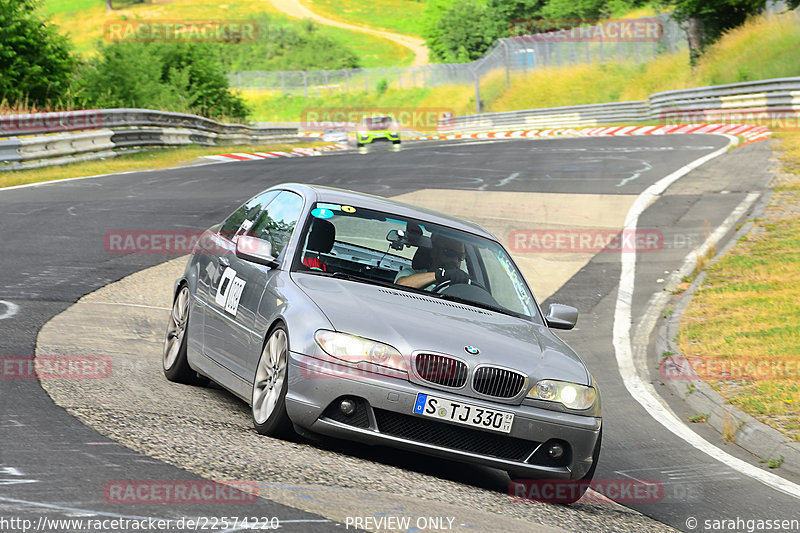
(372, 129)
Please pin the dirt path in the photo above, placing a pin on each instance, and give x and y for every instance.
(294, 8)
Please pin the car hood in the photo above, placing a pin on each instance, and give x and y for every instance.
(414, 322)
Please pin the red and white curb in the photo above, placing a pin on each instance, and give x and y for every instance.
(297, 152)
(748, 131)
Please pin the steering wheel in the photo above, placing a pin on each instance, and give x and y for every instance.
(442, 285)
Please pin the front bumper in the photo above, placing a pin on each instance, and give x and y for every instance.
(367, 138)
(385, 416)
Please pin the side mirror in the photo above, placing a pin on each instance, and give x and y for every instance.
(255, 250)
(561, 316)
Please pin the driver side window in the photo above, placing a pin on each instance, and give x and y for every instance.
(277, 221)
(245, 214)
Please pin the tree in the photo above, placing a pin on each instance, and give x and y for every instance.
(170, 76)
(705, 21)
(35, 61)
(462, 30)
(109, 7)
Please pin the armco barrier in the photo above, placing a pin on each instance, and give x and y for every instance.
(29, 124)
(55, 138)
(778, 97)
(553, 117)
(8, 150)
(737, 102)
(62, 144)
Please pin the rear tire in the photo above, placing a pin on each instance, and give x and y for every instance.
(174, 362)
(270, 384)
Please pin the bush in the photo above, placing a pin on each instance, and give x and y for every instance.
(283, 47)
(35, 65)
(170, 76)
(382, 86)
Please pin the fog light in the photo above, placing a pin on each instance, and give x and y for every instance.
(348, 407)
(555, 451)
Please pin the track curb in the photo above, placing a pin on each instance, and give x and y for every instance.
(748, 433)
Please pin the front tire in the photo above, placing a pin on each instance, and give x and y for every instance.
(174, 362)
(270, 384)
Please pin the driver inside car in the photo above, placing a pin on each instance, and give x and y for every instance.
(442, 264)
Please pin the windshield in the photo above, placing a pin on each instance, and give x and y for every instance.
(378, 123)
(409, 254)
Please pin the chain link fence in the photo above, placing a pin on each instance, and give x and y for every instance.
(637, 40)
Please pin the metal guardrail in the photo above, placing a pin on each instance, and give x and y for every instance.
(778, 93)
(554, 117)
(43, 139)
(27, 124)
(773, 99)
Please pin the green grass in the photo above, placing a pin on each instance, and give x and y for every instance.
(371, 51)
(291, 108)
(400, 16)
(762, 48)
(746, 314)
(83, 20)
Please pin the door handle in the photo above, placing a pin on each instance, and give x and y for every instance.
(224, 261)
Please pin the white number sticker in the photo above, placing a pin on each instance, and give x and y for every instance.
(229, 291)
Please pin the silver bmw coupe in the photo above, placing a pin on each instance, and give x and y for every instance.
(353, 316)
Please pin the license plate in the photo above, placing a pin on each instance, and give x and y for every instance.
(463, 413)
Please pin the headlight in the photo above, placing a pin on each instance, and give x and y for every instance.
(359, 350)
(572, 395)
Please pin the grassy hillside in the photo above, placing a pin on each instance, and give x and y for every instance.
(762, 48)
(83, 20)
(401, 16)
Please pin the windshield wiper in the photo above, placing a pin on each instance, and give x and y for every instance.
(350, 277)
(482, 305)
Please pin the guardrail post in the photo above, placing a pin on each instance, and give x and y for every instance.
(477, 91)
(283, 81)
(366, 81)
(347, 79)
(327, 85)
(305, 83)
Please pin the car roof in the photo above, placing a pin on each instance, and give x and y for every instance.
(320, 193)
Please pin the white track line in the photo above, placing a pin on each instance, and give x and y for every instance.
(640, 388)
(11, 309)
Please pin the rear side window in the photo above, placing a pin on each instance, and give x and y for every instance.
(276, 223)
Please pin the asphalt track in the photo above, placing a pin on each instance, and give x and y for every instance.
(53, 254)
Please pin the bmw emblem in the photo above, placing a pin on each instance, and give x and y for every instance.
(471, 350)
